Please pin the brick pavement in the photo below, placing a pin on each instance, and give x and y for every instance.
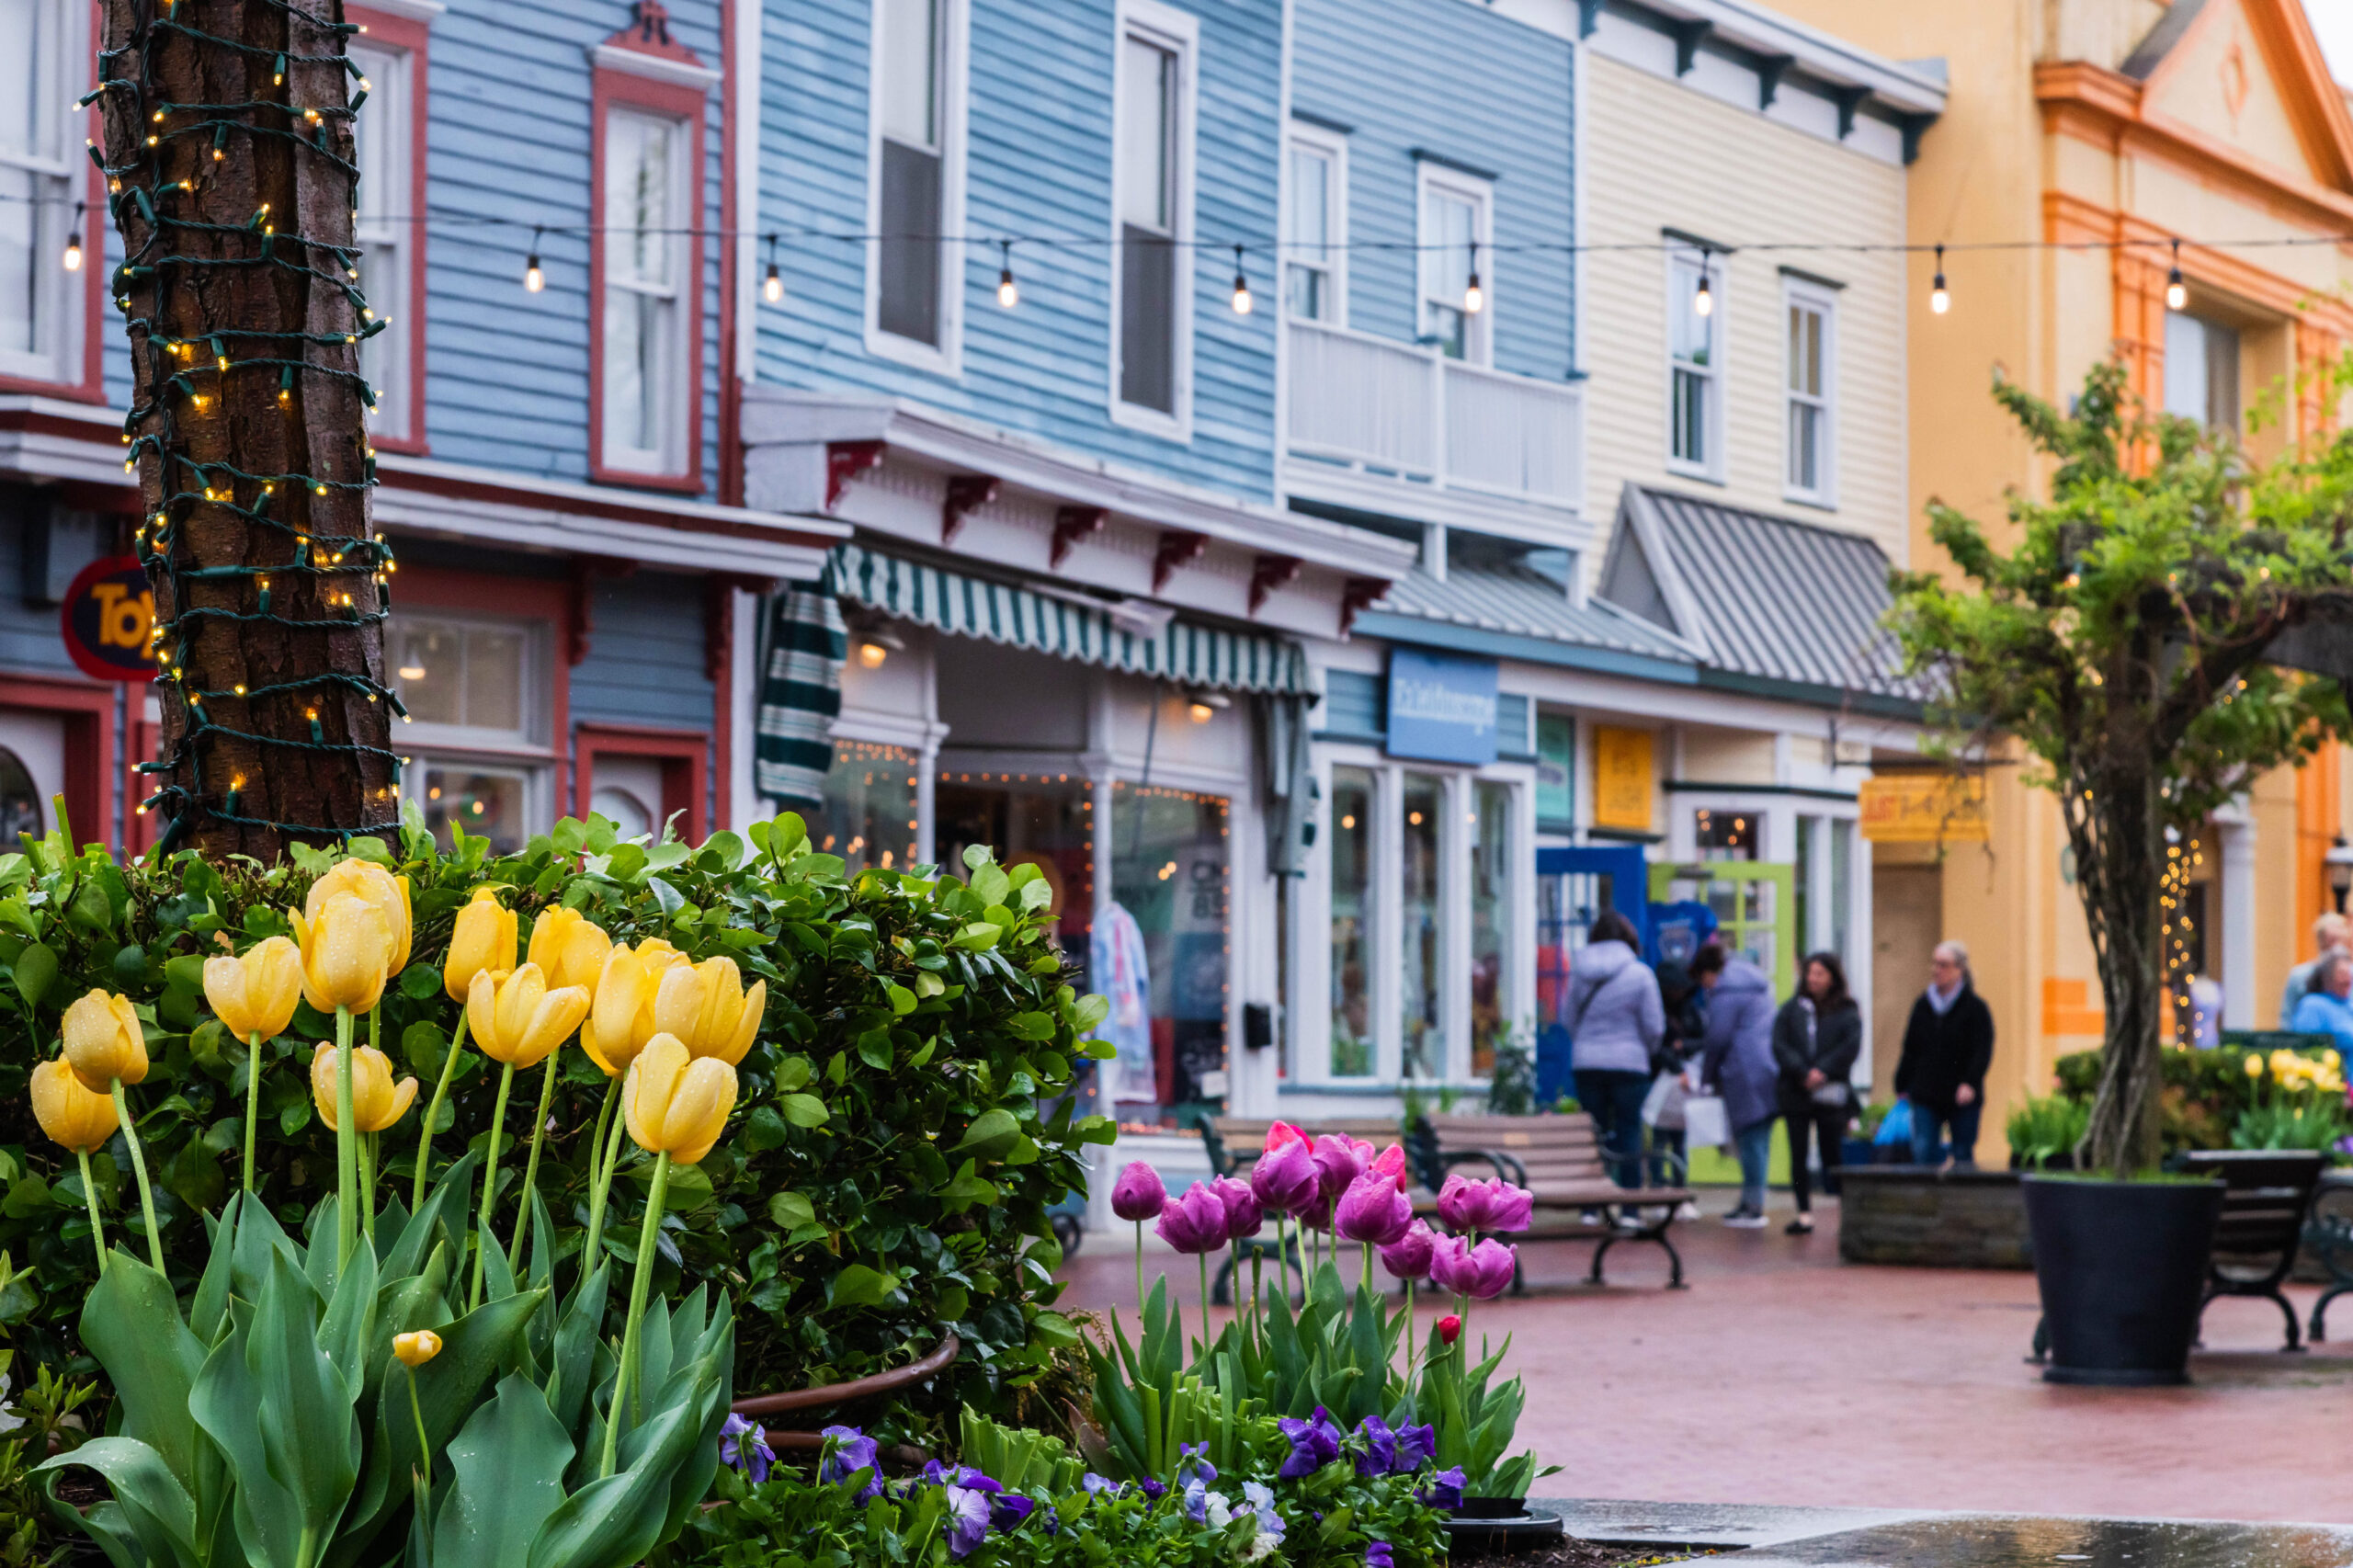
(1781, 1376)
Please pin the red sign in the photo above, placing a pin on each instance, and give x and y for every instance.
(109, 619)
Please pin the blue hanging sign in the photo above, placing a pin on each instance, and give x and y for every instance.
(1441, 707)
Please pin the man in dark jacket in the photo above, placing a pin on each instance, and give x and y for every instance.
(1948, 1046)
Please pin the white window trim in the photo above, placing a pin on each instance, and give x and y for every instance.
(1479, 338)
(1712, 470)
(1180, 31)
(1334, 146)
(955, 70)
(677, 400)
(394, 127)
(1795, 293)
(62, 294)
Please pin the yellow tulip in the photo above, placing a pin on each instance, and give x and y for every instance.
(2333, 1060)
(255, 994)
(518, 1020)
(416, 1349)
(2280, 1059)
(485, 939)
(376, 1101)
(623, 998)
(677, 1104)
(104, 1043)
(2254, 1066)
(366, 880)
(569, 948)
(70, 1113)
(708, 1010)
(345, 958)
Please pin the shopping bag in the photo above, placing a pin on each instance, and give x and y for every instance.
(1895, 1127)
(1662, 1094)
(1705, 1125)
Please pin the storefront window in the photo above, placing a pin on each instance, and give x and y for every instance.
(474, 686)
(1351, 918)
(1842, 887)
(486, 801)
(1724, 835)
(1490, 914)
(1170, 861)
(1045, 820)
(870, 816)
(1422, 927)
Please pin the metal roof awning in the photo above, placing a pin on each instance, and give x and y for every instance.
(1065, 625)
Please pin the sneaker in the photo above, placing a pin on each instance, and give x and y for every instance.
(1801, 1226)
(1590, 1217)
(1688, 1211)
(1741, 1219)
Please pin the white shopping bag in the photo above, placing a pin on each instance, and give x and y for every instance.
(1663, 1106)
(1705, 1125)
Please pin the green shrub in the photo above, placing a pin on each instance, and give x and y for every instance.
(2204, 1095)
(2042, 1129)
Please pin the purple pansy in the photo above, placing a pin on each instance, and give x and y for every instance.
(1445, 1490)
(848, 1451)
(1377, 1556)
(967, 1521)
(1378, 1455)
(752, 1458)
(1314, 1443)
(1415, 1446)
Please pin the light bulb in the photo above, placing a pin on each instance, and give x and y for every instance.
(1474, 299)
(534, 279)
(1202, 713)
(2176, 292)
(772, 287)
(1703, 303)
(72, 253)
(1940, 298)
(1241, 285)
(871, 654)
(1009, 293)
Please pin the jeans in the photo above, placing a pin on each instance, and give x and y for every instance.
(1613, 1097)
(1961, 1119)
(1828, 1125)
(1755, 1146)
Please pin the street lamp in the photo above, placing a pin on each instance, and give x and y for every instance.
(2340, 861)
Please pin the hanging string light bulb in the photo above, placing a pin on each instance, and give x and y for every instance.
(535, 278)
(73, 258)
(1474, 299)
(772, 285)
(1702, 302)
(2177, 291)
(1009, 293)
(1241, 285)
(1940, 297)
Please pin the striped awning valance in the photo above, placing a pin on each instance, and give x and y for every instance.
(964, 606)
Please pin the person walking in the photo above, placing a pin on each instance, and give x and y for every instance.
(2327, 1007)
(1948, 1046)
(1736, 1057)
(1678, 1050)
(1817, 1038)
(2330, 932)
(1615, 1023)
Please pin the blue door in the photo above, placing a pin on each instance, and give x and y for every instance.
(1572, 887)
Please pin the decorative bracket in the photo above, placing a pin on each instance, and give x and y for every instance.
(1073, 524)
(1361, 594)
(1686, 43)
(1849, 100)
(967, 493)
(1177, 548)
(845, 460)
(1268, 572)
(1770, 71)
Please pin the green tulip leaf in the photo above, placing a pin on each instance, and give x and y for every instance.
(309, 1438)
(131, 1323)
(158, 1509)
(508, 1461)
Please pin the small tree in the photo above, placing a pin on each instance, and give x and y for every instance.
(2127, 639)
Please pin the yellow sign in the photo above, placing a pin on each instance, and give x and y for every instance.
(1924, 807)
(1621, 779)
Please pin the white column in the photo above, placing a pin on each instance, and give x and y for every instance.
(739, 799)
(1458, 796)
(1386, 944)
(2237, 834)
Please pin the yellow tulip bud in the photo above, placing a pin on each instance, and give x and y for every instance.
(416, 1349)
(484, 938)
(104, 1043)
(569, 949)
(255, 994)
(707, 1007)
(73, 1115)
(376, 1101)
(518, 1020)
(366, 880)
(345, 955)
(674, 1103)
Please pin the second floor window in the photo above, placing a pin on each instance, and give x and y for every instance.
(1315, 227)
(39, 176)
(2202, 374)
(1695, 371)
(382, 136)
(1151, 207)
(645, 387)
(1810, 378)
(1454, 258)
(911, 170)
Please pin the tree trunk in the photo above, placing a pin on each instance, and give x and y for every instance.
(2119, 849)
(228, 149)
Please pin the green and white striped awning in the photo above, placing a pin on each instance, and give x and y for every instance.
(964, 606)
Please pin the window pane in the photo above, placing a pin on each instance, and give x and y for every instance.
(1148, 320)
(1171, 875)
(1352, 1044)
(1691, 335)
(493, 699)
(1490, 919)
(869, 814)
(28, 129)
(1809, 835)
(637, 199)
(431, 669)
(1690, 401)
(20, 259)
(1420, 987)
(1813, 387)
(488, 802)
(1805, 445)
(1311, 202)
(1842, 886)
(907, 291)
(1147, 139)
(1725, 835)
(2185, 365)
(1309, 291)
(2221, 377)
(910, 65)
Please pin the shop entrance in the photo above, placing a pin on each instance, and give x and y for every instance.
(1172, 871)
(1755, 906)
(1042, 820)
(32, 769)
(1907, 921)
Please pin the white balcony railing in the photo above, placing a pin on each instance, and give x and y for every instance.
(1393, 410)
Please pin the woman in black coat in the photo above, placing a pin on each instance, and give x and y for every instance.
(1816, 1036)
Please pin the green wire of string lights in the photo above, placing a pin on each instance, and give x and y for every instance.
(191, 371)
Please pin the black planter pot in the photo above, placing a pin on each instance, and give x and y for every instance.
(1488, 1528)
(2122, 1271)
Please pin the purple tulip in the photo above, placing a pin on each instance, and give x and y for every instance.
(1314, 1443)
(1286, 1180)
(1378, 1455)
(967, 1521)
(1138, 1195)
(1372, 1209)
(1482, 1272)
(1243, 1215)
(1194, 1223)
(1408, 1257)
(1339, 1160)
(1469, 1206)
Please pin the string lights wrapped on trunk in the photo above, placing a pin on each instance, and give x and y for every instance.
(229, 169)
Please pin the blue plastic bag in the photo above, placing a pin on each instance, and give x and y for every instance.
(1895, 1127)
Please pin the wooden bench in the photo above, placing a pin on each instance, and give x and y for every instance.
(2267, 1193)
(1560, 1160)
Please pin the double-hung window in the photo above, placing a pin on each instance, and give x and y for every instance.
(476, 689)
(2201, 372)
(1315, 227)
(1810, 385)
(381, 135)
(1457, 271)
(1153, 171)
(917, 63)
(1695, 363)
(41, 173)
(646, 374)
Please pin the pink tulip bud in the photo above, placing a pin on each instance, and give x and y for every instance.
(1469, 1206)
(1138, 1194)
(1449, 1329)
(1391, 1162)
(1243, 1215)
(1408, 1257)
(1281, 1133)
(1195, 1223)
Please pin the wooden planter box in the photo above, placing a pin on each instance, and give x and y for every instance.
(1919, 1217)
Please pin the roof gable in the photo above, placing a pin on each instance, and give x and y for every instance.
(2249, 74)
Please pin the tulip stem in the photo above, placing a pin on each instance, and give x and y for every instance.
(138, 1164)
(1203, 1259)
(601, 1177)
(423, 1447)
(346, 1147)
(1139, 1270)
(253, 1103)
(432, 1112)
(1409, 1337)
(90, 1196)
(483, 1238)
(531, 1166)
(624, 1381)
(367, 1185)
